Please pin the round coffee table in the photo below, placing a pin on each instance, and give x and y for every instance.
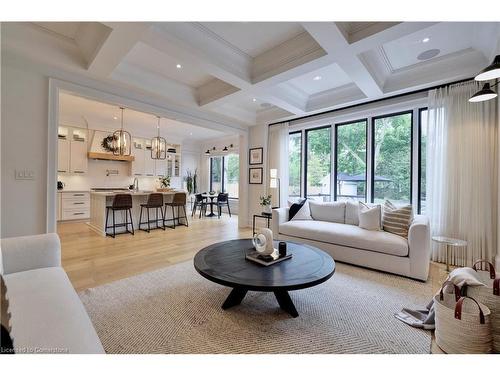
(224, 263)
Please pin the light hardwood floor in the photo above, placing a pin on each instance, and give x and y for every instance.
(91, 260)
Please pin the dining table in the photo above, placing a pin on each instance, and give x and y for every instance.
(211, 197)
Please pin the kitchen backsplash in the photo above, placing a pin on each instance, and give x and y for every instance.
(97, 177)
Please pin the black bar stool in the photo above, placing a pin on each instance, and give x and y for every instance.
(121, 202)
(178, 201)
(155, 200)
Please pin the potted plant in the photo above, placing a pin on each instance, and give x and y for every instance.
(265, 202)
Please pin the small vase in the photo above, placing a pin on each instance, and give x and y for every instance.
(267, 209)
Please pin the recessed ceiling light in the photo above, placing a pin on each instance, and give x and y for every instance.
(115, 117)
(425, 40)
(317, 78)
(254, 100)
(190, 133)
(178, 66)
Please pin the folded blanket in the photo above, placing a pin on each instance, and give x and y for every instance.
(424, 318)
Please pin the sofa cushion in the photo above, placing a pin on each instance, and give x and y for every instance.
(397, 219)
(328, 211)
(304, 212)
(47, 315)
(370, 218)
(347, 235)
(351, 213)
(295, 207)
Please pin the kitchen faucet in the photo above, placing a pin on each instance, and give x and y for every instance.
(136, 184)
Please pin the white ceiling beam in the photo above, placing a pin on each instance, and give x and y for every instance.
(111, 51)
(333, 41)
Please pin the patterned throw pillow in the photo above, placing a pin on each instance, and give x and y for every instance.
(397, 219)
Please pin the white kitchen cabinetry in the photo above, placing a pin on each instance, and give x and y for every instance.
(75, 205)
(138, 163)
(161, 168)
(149, 163)
(78, 161)
(63, 155)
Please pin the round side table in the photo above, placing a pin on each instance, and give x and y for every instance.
(450, 243)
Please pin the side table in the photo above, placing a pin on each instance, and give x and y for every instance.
(263, 215)
(450, 243)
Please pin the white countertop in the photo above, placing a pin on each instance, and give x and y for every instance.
(133, 193)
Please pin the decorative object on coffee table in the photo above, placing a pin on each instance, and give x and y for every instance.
(255, 155)
(263, 242)
(224, 263)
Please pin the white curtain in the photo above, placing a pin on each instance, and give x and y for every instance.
(277, 151)
(462, 183)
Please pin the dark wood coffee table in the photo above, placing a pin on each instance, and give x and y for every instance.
(224, 263)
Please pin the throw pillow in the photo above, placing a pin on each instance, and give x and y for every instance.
(333, 212)
(304, 213)
(369, 217)
(294, 208)
(397, 219)
(351, 213)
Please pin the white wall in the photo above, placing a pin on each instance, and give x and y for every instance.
(257, 137)
(24, 146)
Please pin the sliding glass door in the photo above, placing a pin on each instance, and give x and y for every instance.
(350, 160)
(216, 173)
(318, 164)
(392, 158)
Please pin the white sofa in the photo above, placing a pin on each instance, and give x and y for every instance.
(47, 315)
(351, 244)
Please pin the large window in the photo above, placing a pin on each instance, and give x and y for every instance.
(318, 164)
(422, 158)
(231, 175)
(350, 161)
(294, 164)
(392, 149)
(225, 174)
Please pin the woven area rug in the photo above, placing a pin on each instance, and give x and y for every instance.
(175, 310)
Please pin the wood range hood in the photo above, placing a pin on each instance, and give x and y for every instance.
(109, 156)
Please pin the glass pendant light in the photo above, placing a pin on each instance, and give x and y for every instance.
(158, 145)
(122, 141)
(486, 93)
(492, 71)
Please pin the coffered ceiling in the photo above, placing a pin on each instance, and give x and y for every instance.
(246, 73)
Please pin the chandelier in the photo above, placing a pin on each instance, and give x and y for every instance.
(121, 140)
(158, 145)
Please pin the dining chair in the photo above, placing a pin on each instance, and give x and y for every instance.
(201, 203)
(223, 200)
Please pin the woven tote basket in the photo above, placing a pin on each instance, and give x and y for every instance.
(488, 295)
(463, 325)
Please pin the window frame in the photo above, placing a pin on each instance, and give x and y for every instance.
(419, 169)
(372, 178)
(335, 163)
(301, 157)
(306, 154)
(222, 172)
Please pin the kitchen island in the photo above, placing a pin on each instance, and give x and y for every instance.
(100, 199)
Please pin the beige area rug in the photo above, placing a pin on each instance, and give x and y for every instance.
(175, 310)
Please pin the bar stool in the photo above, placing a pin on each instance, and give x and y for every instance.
(155, 200)
(178, 201)
(121, 202)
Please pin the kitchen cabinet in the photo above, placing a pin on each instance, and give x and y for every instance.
(138, 163)
(149, 163)
(63, 151)
(161, 168)
(78, 162)
(74, 205)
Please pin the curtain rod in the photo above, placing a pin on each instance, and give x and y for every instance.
(375, 101)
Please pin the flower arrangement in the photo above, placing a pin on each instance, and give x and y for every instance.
(265, 200)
